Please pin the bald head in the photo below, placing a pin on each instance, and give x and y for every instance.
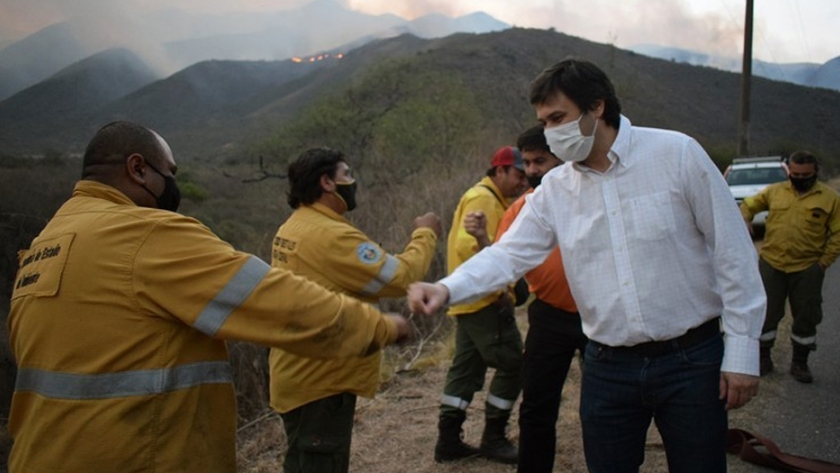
(134, 160)
(114, 142)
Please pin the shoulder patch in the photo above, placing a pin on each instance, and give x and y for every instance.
(368, 253)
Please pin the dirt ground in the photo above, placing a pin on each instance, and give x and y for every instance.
(396, 431)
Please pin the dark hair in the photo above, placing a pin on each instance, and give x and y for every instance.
(532, 139)
(116, 141)
(583, 83)
(804, 157)
(305, 174)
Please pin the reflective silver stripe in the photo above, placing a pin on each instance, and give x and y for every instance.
(454, 401)
(502, 404)
(240, 286)
(74, 386)
(386, 274)
(768, 336)
(804, 340)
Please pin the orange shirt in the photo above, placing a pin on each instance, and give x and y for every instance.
(548, 280)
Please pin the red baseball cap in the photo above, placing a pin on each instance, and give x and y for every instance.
(508, 156)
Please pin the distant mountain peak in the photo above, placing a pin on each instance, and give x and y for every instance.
(322, 6)
(808, 74)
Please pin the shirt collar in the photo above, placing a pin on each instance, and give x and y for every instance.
(88, 188)
(620, 149)
(487, 181)
(815, 189)
(323, 209)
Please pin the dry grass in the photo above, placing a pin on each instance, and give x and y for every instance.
(397, 430)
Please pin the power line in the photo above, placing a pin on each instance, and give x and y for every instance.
(802, 31)
(746, 78)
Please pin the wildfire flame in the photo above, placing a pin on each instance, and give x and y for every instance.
(317, 58)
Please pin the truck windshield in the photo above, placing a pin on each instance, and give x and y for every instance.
(755, 176)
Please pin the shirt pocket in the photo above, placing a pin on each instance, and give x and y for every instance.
(778, 211)
(651, 217)
(814, 220)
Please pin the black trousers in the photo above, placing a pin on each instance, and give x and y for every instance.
(553, 337)
(804, 289)
(319, 435)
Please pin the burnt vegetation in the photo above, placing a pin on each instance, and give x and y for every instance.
(418, 120)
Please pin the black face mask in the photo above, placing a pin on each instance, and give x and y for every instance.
(170, 199)
(347, 192)
(534, 181)
(802, 184)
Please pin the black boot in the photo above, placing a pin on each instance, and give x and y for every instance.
(765, 361)
(494, 443)
(450, 445)
(799, 365)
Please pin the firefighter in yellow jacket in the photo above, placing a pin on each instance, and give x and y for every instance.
(316, 398)
(486, 334)
(801, 242)
(118, 319)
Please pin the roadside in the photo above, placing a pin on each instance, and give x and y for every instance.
(397, 430)
(802, 419)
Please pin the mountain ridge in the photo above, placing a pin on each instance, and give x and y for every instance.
(826, 75)
(71, 96)
(172, 39)
(225, 122)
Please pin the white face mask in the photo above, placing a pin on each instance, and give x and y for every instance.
(568, 143)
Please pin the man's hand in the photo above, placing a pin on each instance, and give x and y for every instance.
(475, 224)
(738, 389)
(429, 220)
(403, 327)
(426, 298)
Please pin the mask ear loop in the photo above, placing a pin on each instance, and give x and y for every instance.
(594, 125)
(157, 198)
(346, 207)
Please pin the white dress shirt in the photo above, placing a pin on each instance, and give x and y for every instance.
(652, 247)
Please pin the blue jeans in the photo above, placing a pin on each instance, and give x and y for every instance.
(622, 391)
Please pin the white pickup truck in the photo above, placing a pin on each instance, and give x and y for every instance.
(748, 176)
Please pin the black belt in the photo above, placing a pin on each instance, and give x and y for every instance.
(692, 337)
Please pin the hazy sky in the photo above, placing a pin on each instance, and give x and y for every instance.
(785, 30)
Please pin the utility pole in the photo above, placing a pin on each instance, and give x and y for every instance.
(746, 78)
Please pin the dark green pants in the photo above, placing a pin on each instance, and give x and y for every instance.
(319, 435)
(487, 338)
(804, 288)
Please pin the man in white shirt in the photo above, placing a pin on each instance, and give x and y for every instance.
(656, 256)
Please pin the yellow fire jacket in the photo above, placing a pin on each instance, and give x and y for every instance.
(800, 229)
(323, 246)
(117, 323)
(461, 246)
